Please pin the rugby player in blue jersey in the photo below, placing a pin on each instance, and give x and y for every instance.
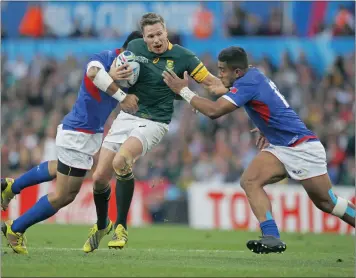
(292, 149)
(79, 138)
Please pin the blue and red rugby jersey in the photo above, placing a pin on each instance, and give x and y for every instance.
(93, 106)
(269, 110)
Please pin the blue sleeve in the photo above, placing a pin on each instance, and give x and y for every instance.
(102, 57)
(240, 94)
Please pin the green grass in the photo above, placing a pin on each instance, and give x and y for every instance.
(55, 250)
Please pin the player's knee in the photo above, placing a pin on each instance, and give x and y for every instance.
(69, 198)
(122, 163)
(248, 182)
(118, 163)
(62, 199)
(100, 180)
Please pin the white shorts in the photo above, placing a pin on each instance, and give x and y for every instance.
(150, 133)
(76, 149)
(303, 161)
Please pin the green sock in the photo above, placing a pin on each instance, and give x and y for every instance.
(124, 191)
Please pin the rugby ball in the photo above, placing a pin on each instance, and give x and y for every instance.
(130, 58)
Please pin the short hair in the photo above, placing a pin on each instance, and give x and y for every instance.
(134, 35)
(235, 57)
(151, 19)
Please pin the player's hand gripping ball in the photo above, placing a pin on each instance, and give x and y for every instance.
(130, 58)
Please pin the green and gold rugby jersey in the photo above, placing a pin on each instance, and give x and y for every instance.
(155, 97)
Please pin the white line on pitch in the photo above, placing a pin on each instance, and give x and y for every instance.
(140, 249)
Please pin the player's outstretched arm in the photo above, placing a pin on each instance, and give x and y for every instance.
(214, 85)
(212, 109)
(103, 81)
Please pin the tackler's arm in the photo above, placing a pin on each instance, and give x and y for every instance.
(212, 109)
(103, 81)
(214, 85)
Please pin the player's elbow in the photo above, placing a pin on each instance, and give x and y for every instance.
(214, 114)
(213, 117)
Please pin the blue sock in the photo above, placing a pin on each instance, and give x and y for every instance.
(42, 210)
(269, 227)
(349, 210)
(35, 176)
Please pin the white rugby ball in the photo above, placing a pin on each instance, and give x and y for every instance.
(130, 58)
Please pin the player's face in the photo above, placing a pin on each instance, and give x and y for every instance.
(226, 74)
(156, 38)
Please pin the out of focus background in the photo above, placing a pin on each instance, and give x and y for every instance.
(307, 48)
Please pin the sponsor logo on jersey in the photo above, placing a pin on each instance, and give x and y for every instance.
(142, 59)
(233, 90)
(155, 61)
(170, 65)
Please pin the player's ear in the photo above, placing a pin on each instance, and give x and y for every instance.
(237, 73)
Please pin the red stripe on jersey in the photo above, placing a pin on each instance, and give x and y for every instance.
(84, 131)
(91, 88)
(262, 109)
(303, 139)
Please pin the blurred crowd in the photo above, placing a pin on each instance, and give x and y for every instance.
(36, 96)
(239, 19)
(343, 24)
(239, 22)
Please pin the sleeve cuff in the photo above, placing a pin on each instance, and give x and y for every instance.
(230, 99)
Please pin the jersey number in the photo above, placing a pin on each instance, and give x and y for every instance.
(275, 89)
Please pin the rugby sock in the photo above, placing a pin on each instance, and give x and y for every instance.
(350, 209)
(269, 227)
(101, 200)
(35, 176)
(42, 210)
(125, 186)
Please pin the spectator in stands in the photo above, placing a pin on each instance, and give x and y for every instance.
(236, 22)
(203, 22)
(344, 23)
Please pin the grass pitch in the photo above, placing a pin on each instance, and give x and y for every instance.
(55, 251)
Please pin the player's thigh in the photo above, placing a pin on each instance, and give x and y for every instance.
(77, 149)
(103, 171)
(52, 167)
(303, 161)
(68, 183)
(318, 188)
(265, 168)
(316, 182)
(150, 133)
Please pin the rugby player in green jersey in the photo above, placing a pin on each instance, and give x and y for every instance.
(132, 136)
